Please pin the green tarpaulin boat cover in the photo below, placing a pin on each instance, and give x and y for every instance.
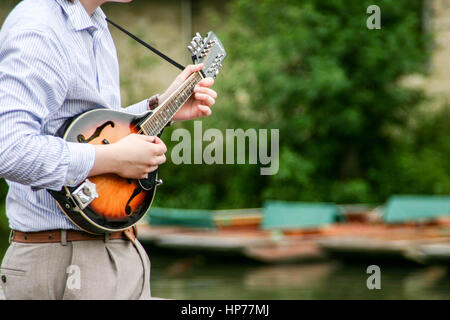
(298, 215)
(404, 208)
(181, 217)
(199, 218)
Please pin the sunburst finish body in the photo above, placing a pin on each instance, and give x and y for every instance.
(121, 202)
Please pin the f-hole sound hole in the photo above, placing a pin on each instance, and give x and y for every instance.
(135, 193)
(96, 134)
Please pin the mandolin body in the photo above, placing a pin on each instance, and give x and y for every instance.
(121, 202)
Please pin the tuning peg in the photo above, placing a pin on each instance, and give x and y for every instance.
(199, 39)
(191, 49)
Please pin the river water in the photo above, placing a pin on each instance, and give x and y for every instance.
(200, 277)
(197, 277)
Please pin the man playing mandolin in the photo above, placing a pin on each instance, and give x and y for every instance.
(58, 60)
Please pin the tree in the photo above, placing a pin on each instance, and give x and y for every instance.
(314, 70)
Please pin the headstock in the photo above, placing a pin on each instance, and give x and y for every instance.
(209, 51)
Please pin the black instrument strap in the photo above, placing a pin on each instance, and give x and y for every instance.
(159, 53)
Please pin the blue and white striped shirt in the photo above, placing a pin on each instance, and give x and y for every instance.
(56, 61)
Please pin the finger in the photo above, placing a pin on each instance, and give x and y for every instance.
(155, 161)
(161, 143)
(205, 90)
(204, 110)
(160, 159)
(205, 99)
(207, 82)
(148, 138)
(157, 140)
(189, 70)
(148, 171)
(160, 149)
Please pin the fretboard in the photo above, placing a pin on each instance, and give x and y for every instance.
(164, 113)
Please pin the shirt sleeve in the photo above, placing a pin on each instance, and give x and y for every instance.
(34, 80)
(137, 108)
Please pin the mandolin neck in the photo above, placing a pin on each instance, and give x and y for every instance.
(161, 116)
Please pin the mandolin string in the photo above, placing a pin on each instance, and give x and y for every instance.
(185, 93)
(151, 127)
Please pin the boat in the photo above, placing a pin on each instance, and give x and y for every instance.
(277, 233)
(283, 231)
(406, 230)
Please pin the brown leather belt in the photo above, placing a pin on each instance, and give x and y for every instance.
(69, 235)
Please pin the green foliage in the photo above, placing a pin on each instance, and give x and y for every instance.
(312, 69)
(419, 161)
(4, 229)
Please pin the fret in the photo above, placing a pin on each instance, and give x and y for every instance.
(144, 130)
(151, 128)
(147, 129)
(158, 119)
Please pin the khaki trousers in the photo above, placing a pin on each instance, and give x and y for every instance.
(93, 269)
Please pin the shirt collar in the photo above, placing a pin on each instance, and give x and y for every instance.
(80, 19)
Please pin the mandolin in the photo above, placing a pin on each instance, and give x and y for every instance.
(109, 203)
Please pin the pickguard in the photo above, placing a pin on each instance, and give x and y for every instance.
(149, 182)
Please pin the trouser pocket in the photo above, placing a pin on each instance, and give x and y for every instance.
(23, 273)
(13, 283)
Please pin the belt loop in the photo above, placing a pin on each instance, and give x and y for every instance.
(64, 237)
(106, 237)
(11, 236)
(130, 234)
